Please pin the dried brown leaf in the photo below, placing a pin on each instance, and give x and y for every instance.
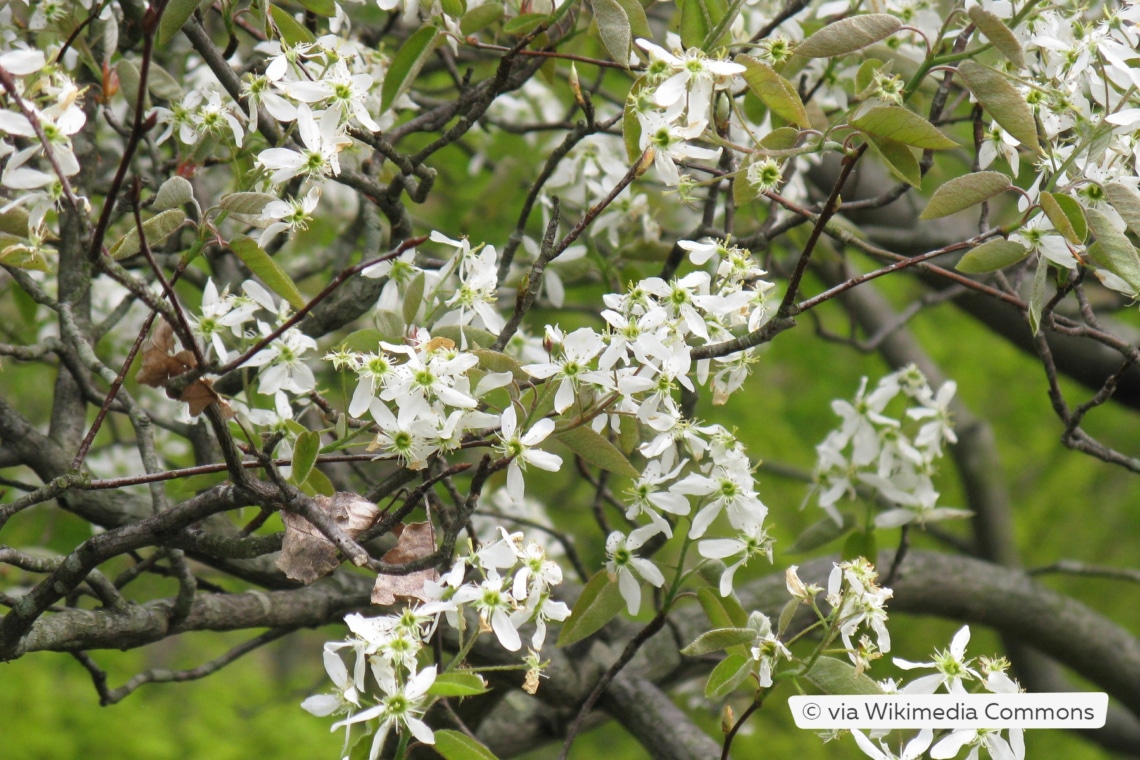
(160, 365)
(306, 555)
(416, 541)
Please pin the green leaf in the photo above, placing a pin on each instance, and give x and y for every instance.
(177, 13)
(1126, 201)
(783, 138)
(599, 603)
(472, 337)
(365, 341)
(848, 35)
(865, 76)
(292, 33)
(14, 221)
(1062, 219)
(524, 23)
(458, 683)
(991, 256)
(901, 125)
(614, 29)
(833, 676)
(246, 204)
(1037, 294)
(743, 191)
(1113, 250)
(629, 434)
(722, 611)
(173, 192)
(822, 533)
(320, 7)
(718, 639)
(456, 745)
(787, 615)
(495, 361)
(725, 677)
(965, 191)
(596, 450)
(455, 8)
(899, 159)
(406, 64)
(318, 483)
(157, 229)
(698, 19)
(478, 19)
(1002, 101)
(161, 84)
(268, 270)
(774, 91)
(305, 452)
(413, 297)
(638, 21)
(999, 34)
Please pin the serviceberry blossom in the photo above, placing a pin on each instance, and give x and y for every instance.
(952, 665)
(623, 564)
(520, 448)
(320, 156)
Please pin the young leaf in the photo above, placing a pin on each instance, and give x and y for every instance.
(832, 676)
(999, 34)
(596, 450)
(1113, 250)
(177, 13)
(458, 683)
(899, 124)
(698, 19)
(1002, 101)
(774, 91)
(717, 639)
(413, 297)
(899, 159)
(456, 745)
(599, 603)
(246, 204)
(268, 270)
(406, 64)
(454, 8)
(524, 23)
(1037, 294)
(157, 229)
(305, 452)
(494, 361)
(318, 484)
(173, 193)
(965, 191)
(638, 21)
(725, 677)
(1126, 201)
(478, 19)
(848, 35)
(991, 256)
(614, 29)
(1062, 220)
(292, 33)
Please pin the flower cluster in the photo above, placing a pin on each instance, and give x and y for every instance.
(514, 588)
(892, 455)
(952, 671)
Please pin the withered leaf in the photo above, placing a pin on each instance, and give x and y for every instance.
(160, 365)
(306, 554)
(416, 540)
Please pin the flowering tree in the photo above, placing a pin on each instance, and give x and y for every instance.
(305, 300)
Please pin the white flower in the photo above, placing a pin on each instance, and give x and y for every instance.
(751, 541)
(571, 366)
(290, 215)
(320, 156)
(767, 648)
(400, 707)
(522, 452)
(669, 143)
(627, 567)
(952, 667)
(912, 751)
(495, 606)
